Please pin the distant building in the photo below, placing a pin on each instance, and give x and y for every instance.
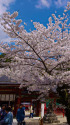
(11, 94)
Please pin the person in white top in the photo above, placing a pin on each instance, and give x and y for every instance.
(31, 111)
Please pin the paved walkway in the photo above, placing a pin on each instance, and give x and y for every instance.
(36, 121)
(29, 121)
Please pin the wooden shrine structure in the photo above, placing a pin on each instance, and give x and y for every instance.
(11, 94)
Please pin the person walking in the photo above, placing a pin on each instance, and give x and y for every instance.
(8, 119)
(20, 115)
(31, 111)
(2, 112)
(9, 116)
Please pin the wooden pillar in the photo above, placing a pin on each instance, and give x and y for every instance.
(38, 108)
(17, 101)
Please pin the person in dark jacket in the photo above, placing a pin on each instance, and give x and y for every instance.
(20, 115)
(2, 112)
(8, 119)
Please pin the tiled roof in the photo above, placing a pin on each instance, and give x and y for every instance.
(5, 80)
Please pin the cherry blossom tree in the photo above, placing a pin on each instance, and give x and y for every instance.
(40, 58)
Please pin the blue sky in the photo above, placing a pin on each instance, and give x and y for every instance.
(36, 10)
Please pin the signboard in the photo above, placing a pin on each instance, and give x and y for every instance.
(3, 97)
(7, 97)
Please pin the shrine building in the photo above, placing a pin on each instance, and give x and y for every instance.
(11, 94)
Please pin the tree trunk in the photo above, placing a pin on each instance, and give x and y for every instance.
(67, 113)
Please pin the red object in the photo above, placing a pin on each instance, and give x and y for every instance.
(26, 106)
(63, 113)
(45, 106)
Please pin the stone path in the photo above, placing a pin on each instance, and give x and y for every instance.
(36, 121)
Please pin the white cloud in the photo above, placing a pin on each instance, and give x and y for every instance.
(61, 3)
(4, 37)
(49, 3)
(43, 3)
(4, 6)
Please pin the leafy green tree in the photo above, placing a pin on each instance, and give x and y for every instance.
(64, 99)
